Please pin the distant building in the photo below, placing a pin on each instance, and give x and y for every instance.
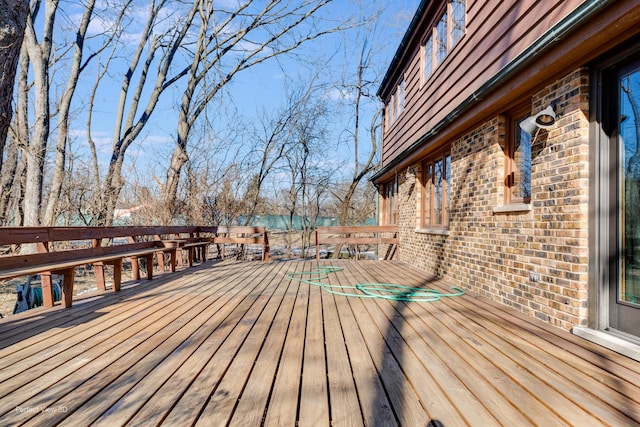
(511, 160)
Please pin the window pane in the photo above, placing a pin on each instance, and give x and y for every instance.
(387, 116)
(521, 186)
(426, 199)
(391, 203)
(394, 110)
(629, 99)
(438, 175)
(401, 97)
(441, 40)
(447, 201)
(457, 20)
(428, 57)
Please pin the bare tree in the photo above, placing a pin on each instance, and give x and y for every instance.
(229, 42)
(275, 141)
(40, 55)
(14, 168)
(13, 18)
(359, 87)
(158, 45)
(77, 66)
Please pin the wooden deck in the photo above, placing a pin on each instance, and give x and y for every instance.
(242, 344)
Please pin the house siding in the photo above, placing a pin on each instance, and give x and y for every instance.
(535, 261)
(496, 32)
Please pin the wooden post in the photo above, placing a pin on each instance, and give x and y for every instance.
(135, 268)
(180, 261)
(135, 264)
(47, 289)
(265, 247)
(160, 256)
(117, 274)
(98, 269)
(190, 252)
(317, 247)
(149, 266)
(67, 287)
(45, 279)
(172, 259)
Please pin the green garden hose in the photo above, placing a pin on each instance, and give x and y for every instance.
(389, 291)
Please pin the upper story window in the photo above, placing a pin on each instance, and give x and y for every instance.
(441, 40)
(400, 98)
(428, 58)
(443, 37)
(518, 163)
(458, 20)
(395, 106)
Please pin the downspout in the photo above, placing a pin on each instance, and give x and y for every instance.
(556, 33)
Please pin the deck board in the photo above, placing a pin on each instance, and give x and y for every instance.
(563, 359)
(314, 402)
(371, 391)
(240, 343)
(343, 395)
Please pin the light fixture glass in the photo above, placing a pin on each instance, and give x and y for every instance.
(546, 118)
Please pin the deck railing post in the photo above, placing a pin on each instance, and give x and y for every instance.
(265, 246)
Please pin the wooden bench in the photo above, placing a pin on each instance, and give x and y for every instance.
(346, 235)
(48, 261)
(57, 253)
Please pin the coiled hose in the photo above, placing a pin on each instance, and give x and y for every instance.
(389, 291)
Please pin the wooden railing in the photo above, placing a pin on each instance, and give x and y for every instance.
(358, 235)
(59, 250)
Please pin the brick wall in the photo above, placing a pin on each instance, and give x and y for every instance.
(535, 261)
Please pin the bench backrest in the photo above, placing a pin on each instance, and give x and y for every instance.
(25, 235)
(353, 235)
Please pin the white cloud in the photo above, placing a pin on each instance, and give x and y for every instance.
(339, 94)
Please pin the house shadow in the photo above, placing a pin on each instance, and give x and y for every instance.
(394, 357)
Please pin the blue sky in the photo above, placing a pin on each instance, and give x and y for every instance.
(259, 89)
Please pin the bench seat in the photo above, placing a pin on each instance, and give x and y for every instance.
(65, 262)
(59, 250)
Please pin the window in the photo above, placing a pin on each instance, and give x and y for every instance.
(436, 191)
(518, 164)
(400, 98)
(392, 109)
(458, 20)
(441, 40)
(428, 58)
(443, 37)
(387, 117)
(395, 105)
(390, 203)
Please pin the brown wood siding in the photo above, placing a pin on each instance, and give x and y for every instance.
(496, 32)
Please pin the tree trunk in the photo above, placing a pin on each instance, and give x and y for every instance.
(13, 18)
(39, 54)
(63, 120)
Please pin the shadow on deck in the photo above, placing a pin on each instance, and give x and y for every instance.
(243, 344)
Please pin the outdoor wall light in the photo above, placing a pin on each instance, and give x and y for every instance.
(544, 120)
